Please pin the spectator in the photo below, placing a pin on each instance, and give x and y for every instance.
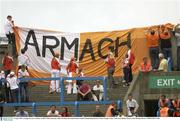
(4, 87)
(177, 34)
(1, 103)
(98, 91)
(22, 113)
(111, 111)
(162, 101)
(152, 38)
(84, 93)
(145, 65)
(7, 63)
(165, 42)
(163, 66)
(23, 59)
(71, 72)
(176, 105)
(80, 74)
(10, 34)
(111, 63)
(126, 70)
(65, 112)
(98, 112)
(131, 59)
(53, 112)
(132, 106)
(164, 111)
(13, 84)
(56, 67)
(23, 73)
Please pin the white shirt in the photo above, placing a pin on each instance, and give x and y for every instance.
(95, 88)
(2, 76)
(13, 82)
(23, 60)
(56, 113)
(132, 103)
(8, 27)
(22, 73)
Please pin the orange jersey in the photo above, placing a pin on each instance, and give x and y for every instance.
(55, 64)
(72, 67)
(146, 67)
(152, 40)
(164, 112)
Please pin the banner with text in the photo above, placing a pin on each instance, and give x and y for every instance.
(90, 49)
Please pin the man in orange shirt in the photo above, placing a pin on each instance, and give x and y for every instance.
(165, 42)
(56, 67)
(152, 38)
(71, 71)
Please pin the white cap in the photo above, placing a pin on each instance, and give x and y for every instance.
(161, 55)
(2, 72)
(12, 73)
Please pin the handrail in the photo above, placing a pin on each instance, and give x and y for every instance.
(62, 102)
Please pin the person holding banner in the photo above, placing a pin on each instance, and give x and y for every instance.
(71, 72)
(55, 72)
(23, 59)
(10, 34)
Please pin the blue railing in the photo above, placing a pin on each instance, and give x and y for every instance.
(62, 102)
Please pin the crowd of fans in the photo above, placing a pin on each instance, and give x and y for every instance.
(169, 107)
(160, 51)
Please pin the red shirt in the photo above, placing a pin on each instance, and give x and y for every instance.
(65, 114)
(131, 57)
(7, 63)
(110, 62)
(55, 64)
(84, 88)
(72, 67)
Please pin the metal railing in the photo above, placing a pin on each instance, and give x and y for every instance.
(62, 102)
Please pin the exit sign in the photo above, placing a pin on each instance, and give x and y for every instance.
(164, 82)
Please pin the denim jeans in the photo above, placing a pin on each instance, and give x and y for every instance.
(153, 52)
(24, 91)
(14, 96)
